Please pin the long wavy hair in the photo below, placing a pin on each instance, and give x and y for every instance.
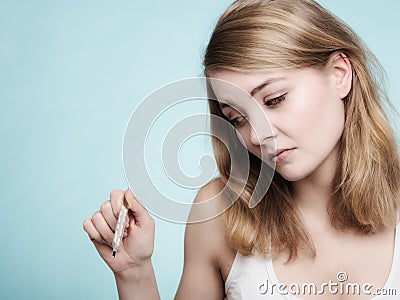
(265, 35)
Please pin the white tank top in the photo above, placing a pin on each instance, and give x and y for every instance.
(254, 278)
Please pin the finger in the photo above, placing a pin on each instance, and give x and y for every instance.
(140, 213)
(116, 198)
(102, 227)
(108, 214)
(94, 235)
(103, 249)
(127, 222)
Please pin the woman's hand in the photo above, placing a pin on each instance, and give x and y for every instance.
(138, 240)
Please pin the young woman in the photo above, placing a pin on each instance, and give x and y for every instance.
(326, 228)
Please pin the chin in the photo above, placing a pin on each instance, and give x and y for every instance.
(292, 176)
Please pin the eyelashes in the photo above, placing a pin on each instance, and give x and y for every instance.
(236, 122)
(276, 100)
(240, 120)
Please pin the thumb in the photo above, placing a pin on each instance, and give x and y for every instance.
(139, 211)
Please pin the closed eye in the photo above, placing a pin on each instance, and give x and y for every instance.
(276, 100)
(238, 121)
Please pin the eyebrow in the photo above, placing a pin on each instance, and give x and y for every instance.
(256, 89)
(264, 84)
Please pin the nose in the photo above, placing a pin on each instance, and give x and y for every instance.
(261, 133)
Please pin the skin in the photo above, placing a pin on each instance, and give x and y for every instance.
(312, 123)
(309, 119)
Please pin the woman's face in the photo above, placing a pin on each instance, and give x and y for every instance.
(305, 111)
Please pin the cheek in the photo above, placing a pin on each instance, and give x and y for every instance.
(241, 135)
(329, 119)
(318, 118)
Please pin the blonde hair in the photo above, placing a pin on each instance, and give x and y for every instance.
(265, 35)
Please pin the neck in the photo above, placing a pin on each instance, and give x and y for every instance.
(312, 194)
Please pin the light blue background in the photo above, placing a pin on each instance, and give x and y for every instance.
(71, 73)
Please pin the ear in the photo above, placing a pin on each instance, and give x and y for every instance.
(340, 66)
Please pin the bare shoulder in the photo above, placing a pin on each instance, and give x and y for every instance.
(205, 222)
(205, 247)
(210, 189)
(221, 252)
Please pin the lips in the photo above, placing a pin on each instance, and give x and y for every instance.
(277, 152)
(273, 156)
